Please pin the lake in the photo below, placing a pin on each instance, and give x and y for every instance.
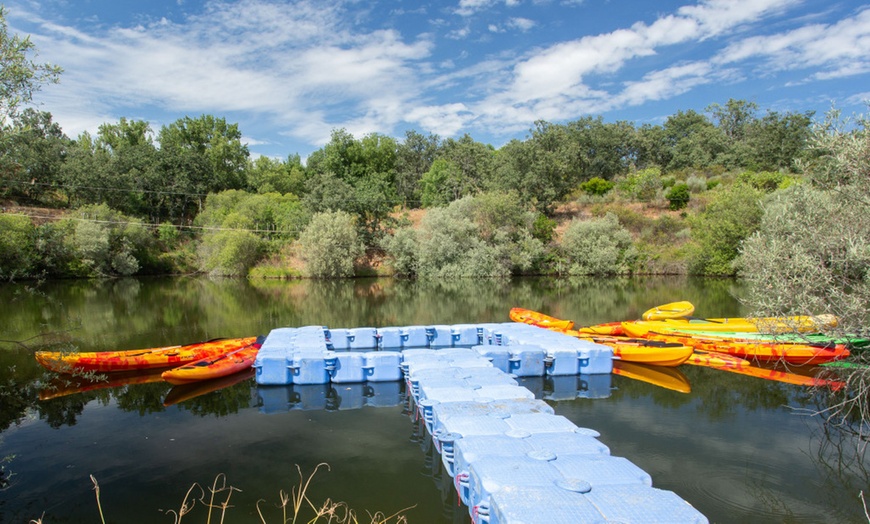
(738, 448)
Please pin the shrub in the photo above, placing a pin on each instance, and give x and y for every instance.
(696, 183)
(599, 246)
(596, 186)
(402, 247)
(106, 242)
(642, 185)
(18, 255)
(544, 228)
(734, 213)
(229, 253)
(678, 196)
(330, 245)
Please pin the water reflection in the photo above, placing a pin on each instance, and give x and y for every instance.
(733, 446)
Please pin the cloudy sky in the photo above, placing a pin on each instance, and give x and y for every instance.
(290, 71)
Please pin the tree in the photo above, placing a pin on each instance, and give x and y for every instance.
(543, 169)
(266, 175)
(20, 76)
(734, 117)
(693, 141)
(33, 153)
(215, 144)
(414, 157)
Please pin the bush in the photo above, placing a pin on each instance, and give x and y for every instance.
(229, 253)
(600, 246)
(105, 242)
(734, 213)
(330, 245)
(402, 247)
(678, 196)
(596, 186)
(18, 256)
(696, 183)
(642, 185)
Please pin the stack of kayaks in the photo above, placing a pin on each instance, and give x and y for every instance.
(202, 361)
(626, 349)
(731, 344)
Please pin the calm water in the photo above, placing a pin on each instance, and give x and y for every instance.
(734, 447)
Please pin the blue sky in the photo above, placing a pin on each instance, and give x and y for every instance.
(289, 72)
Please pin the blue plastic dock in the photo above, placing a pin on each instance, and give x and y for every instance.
(511, 458)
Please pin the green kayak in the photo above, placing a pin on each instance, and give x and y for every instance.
(852, 342)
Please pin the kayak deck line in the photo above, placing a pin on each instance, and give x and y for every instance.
(505, 449)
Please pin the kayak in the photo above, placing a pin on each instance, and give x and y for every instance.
(801, 323)
(218, 366)
(760, 351)
(527, 316)
(626, 349)
(813, 339)
(667, 354)
(137, 359)
(672, 310)
(608, 328)
(668, 378)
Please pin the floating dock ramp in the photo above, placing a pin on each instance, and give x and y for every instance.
(512, 459)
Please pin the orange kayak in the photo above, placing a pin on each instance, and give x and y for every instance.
(137, 359)
(608, 328)
(760, 351)
(218, 366)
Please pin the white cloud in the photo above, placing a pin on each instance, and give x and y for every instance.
(835, 50)
(523, 24)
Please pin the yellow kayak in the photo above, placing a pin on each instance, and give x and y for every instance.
(800, 323)
(672, 310)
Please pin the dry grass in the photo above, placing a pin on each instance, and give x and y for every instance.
(296, 507)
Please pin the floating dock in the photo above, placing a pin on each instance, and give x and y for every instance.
(512, 459)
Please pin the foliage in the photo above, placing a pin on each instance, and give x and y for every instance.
(678, 196)
(766, 181)
(229, 252)
(641, 185)
(440, 185)
(20, 76)
(596, 186)
(269, 175)
(599, 246)
(696, 183)
(811, 253)
(107, 243)
(17, 247)
(414, 158)
(402, 247)
(330, 245)
(734, 213)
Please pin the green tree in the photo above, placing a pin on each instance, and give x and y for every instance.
(779, 141)
(543, 169)
(693, 141)
(414, 157)
(734, 117)
(33, 154)
(217, 145)
(441, 184)
(267, 175)
(20, 76)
